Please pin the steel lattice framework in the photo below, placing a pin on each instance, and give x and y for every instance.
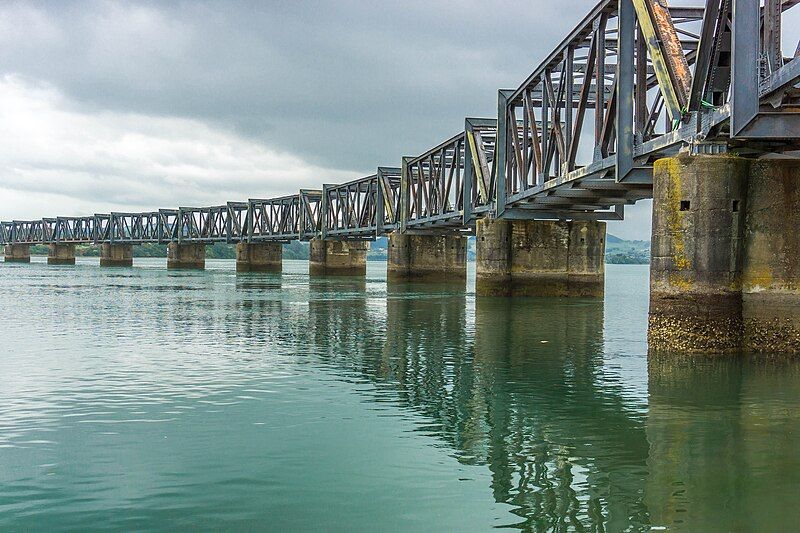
(364, 208)
(626, 68)
(634, 81)
(448, 186)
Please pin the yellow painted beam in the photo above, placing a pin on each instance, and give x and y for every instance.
(666, 54)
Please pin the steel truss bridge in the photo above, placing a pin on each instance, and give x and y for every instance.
(634, 81)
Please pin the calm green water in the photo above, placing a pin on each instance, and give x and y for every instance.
(141, 399)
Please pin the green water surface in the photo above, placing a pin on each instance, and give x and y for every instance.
(142, 399)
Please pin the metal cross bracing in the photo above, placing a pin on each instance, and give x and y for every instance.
(25, 232)
(364, 208)
(70, 230)
(295, 217)
(619, 92)
(446, 187)
(283, 219)
(132, 228)
(279, 219)
(203, 224)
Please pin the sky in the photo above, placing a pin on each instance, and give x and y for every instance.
(133, 106)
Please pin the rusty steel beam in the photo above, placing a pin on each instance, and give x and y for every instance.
(666, 54)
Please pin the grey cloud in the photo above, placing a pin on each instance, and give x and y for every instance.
(346, 84)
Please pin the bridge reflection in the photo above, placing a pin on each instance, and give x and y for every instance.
(724, 438)
(512, 384)
(526, 389)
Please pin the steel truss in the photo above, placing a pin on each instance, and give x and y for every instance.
(633, 82)
(365, 208)
(445, 188)
(626, 68)
(294, 217)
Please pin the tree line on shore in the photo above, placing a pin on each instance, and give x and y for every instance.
(618, 251)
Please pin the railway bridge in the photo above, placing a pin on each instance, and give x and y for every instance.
(694, 107)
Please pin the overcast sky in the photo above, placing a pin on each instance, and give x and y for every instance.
(114, 106)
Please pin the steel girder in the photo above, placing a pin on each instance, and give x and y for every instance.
(365, 208)
(27, 232)
(731, 43)
(131, 228)
(446, 187)
(634, 81)
(279, 219)
(283, 219)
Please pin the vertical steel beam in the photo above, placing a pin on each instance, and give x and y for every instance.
(405, 193)
(323, 207)
(626, 32)
(545, 170)
(380, 194)
(599, 83)
(641, 85)
(703, 60)
(745, 71)
(228, 222)
(569, 77)
(772, 35)
(469, 170)
(250, 223)
(501, 148)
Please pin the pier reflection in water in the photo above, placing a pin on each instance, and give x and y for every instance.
(724, 440)
(293, 401)
(513, 384)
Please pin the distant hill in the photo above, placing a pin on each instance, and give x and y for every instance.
(623, 252)
(618, 251)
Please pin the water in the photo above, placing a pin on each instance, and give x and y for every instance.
(141, 399)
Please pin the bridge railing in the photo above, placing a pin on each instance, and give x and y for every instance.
(364, 208)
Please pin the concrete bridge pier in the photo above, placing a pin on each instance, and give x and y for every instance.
(337, 258)
(186, 255)
(116, 255)
(695, 266)
(725, 269)
(771, 266)
(435, 258)
(61, 254)
(259, 257)
(17, 253)
(540, 258)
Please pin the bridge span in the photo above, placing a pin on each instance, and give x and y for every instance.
(694, 107)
